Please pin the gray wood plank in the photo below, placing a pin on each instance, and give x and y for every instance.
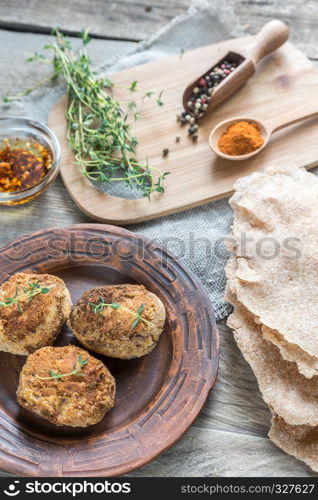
(54, 207)
(103, 17)
(17, 74)
(302, 18)
(215, 453)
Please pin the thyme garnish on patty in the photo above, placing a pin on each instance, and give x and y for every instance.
(29, 291)
(77, 367)
(98, 308)
(98, 129)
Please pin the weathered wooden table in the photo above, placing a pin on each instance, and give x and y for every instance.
(230, 436)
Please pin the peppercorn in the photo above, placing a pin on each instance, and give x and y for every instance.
(199, 99)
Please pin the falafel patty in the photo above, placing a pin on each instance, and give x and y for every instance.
(33, 310)
(120, 321)
(67, 386)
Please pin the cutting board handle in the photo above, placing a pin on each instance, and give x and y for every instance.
(268, 39)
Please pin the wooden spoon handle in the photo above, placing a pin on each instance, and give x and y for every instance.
(286, 122)
(268, 39)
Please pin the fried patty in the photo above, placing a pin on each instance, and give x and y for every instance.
(77, 400)
(33, 309)
(113, 329)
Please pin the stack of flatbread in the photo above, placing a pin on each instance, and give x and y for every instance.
(272, 282)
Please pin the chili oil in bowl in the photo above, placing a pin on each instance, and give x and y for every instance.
(29, 159)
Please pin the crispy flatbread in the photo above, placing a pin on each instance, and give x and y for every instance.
(283, 388)
(277, 268)
(300, 441)
(307, 364)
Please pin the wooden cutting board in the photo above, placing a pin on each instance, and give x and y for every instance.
(285, 82)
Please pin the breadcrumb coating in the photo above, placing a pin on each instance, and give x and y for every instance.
(38, 321)
(110, 331)
(78, 400)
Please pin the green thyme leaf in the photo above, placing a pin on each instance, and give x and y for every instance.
(159, 100)
(135, 323)
(29, 292)
(98, 308)
(98, 132)
(140, 309)
(85, 37)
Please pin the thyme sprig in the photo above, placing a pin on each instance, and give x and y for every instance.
(29, 291)
(77, 367)
(99, 307)
(98, 129)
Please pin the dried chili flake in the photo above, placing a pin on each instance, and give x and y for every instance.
(23, 164)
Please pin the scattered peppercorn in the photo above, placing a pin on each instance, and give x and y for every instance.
(23, 164)
(240, 138)
(202, 93)
(178, 137)
(165, 152)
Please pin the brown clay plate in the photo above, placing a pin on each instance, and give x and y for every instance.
(158, 396)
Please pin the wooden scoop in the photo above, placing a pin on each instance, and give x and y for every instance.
(268, 39)
(267, 128)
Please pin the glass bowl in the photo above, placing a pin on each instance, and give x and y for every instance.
(12, 127)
